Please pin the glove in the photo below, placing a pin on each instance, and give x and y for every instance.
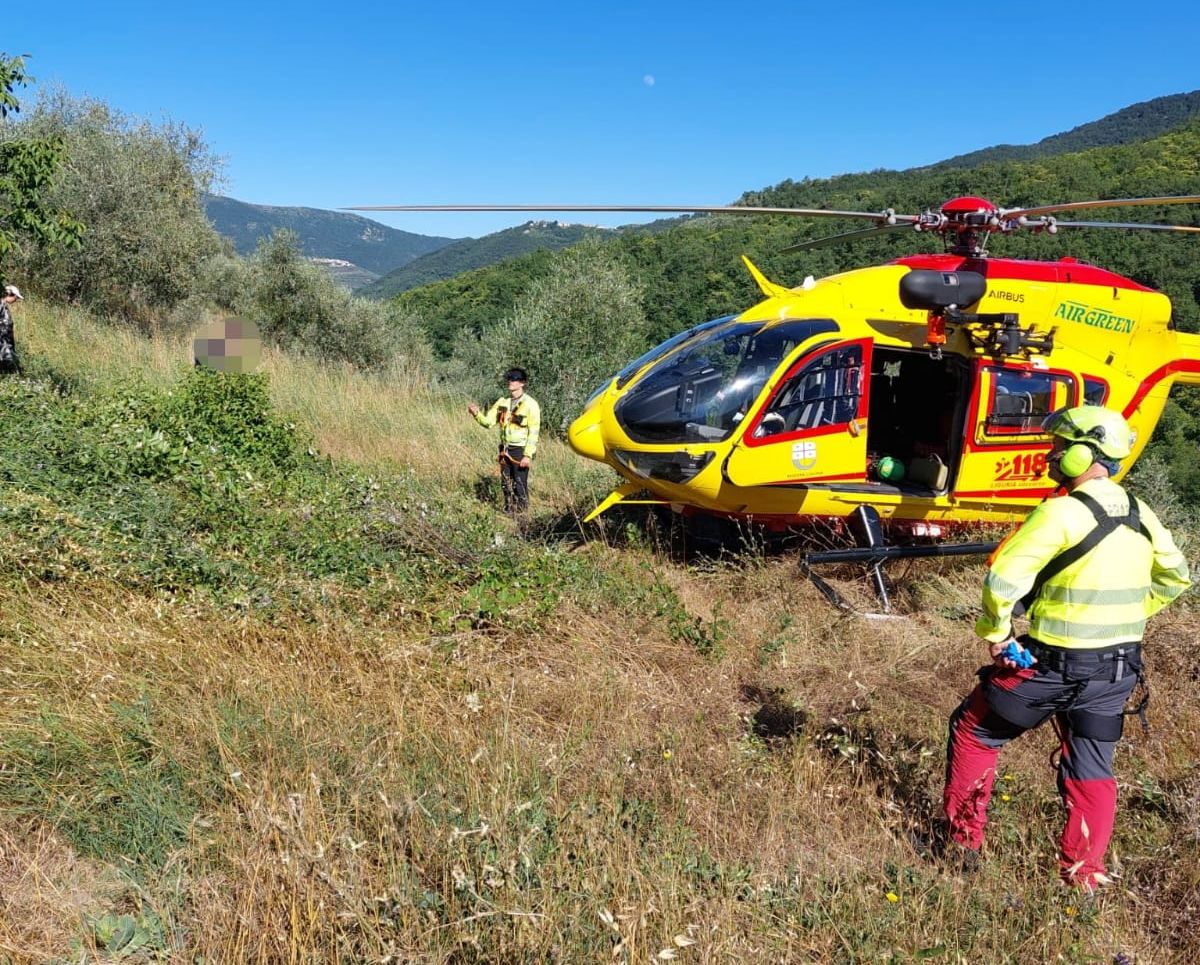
(1018, 655)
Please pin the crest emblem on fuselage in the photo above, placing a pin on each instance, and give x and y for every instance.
(804, 455)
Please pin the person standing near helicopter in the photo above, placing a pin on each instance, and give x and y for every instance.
(1092, 566)
(9, 361)
(520, 420)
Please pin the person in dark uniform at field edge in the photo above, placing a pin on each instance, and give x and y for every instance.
(520, 420)
(8, 345)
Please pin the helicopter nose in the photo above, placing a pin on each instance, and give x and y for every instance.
(585, 438)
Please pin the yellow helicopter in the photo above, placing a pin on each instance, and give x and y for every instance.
(916, 388)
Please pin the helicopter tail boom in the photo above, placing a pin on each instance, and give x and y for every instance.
(1183, 369)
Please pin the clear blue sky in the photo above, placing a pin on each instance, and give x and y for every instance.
(333, 104)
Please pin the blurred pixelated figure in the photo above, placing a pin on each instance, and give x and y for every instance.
(229, 345)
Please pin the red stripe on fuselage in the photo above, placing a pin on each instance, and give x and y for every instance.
(1065, 271)
(858, 476)
(1151, 380)
(1001, 493)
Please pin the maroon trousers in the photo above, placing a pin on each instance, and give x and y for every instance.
(1082, 705)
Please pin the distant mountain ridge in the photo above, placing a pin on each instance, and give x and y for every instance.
(691, 272)
(1137, 122)
(373, 247)
(471, 253)
(385, 262)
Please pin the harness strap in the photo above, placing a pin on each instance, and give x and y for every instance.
(1140, 708)
(1132, 517)
(1105, 525)
(1100, 727)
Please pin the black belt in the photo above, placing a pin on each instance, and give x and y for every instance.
(1083, 665)
(1060, 659)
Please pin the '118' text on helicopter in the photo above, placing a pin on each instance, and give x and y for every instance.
(916, 388)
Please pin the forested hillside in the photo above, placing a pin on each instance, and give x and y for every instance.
(692, 272)
(320, 234)
(1137, 122)
(470, 253)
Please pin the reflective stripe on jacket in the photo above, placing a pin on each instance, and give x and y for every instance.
(1102, 599)
(520, 421)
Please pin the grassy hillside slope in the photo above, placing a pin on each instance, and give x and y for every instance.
(276, 685)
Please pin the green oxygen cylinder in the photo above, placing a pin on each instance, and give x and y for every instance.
(889, 469)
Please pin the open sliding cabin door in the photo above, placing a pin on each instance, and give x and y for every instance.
(813, 428)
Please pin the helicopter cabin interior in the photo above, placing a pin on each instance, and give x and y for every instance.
(916, 415)
(925, 414)
(928, 414)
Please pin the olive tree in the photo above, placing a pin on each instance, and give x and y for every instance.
(137, 187)
(571, 329)
(299, 307)
(28, 169)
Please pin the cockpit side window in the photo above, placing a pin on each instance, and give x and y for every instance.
(1021, 399)
(826, 392)
(1095, 391)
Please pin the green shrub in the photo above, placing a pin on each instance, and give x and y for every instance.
(302, 309)
(204, 489)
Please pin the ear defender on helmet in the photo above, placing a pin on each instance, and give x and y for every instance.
(1076, 460)
(1093, 434)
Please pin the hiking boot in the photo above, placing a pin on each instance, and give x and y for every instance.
(938, 847)
(1090, 886)
(959, 859)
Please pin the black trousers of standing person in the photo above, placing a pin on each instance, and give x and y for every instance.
(9, 360)
(514, 479)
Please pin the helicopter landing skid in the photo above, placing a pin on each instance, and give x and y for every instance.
(874, 550)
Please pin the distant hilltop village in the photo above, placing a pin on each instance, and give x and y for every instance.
(531, 225)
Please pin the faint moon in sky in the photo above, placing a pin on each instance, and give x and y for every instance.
(648, 80)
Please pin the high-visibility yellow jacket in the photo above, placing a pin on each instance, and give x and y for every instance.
(1102, 599)
(520, 421)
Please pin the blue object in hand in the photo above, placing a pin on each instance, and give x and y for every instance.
(1017, 654)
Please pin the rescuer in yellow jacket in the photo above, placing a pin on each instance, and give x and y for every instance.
(520, 420)
(1091, 567)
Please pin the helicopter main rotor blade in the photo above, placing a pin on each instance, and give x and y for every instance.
(844, 236)
(1124, 224)
(883, 217)
(1010, 214)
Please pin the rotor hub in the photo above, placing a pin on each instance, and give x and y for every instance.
(964, 223)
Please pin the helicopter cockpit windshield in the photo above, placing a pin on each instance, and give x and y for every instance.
(659, 351)
(702, 392)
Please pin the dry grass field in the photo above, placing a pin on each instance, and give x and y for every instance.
(558, 745)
